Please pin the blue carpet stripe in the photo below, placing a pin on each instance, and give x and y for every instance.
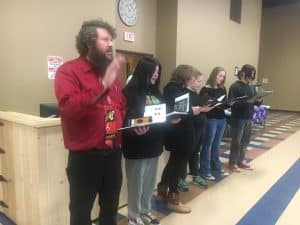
(160, 206)
(269, 208)
(4, 220)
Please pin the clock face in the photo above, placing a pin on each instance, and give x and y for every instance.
(128, 12)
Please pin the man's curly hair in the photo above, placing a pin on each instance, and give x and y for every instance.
(87, 35)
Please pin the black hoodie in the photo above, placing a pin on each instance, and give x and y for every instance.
(144, 146)
(180, 137)
(242, 109)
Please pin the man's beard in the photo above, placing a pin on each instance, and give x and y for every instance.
(98, 59)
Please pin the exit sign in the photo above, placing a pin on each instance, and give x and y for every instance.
(129, 36)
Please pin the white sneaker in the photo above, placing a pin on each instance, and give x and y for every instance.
(209, 177)
(223, 173)
(150, 219)
(135, 221)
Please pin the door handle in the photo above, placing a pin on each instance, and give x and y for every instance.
(3, 204)
(3, 179)
(2, 151)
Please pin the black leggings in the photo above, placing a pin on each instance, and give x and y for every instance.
(175, 167)
(194, 157)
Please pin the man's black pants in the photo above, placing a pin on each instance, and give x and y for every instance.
(90, 173)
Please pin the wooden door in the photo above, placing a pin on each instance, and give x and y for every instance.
(131, 60)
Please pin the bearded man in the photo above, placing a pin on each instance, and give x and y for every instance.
(92, 109)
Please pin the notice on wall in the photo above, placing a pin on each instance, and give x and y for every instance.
(53, 63)
(129, 36)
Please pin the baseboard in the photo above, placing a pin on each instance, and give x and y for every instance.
(283, 110)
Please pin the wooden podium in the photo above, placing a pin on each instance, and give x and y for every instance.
(33, 184)
(34, 189)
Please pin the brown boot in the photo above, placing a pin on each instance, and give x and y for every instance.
(244, 165)
(175, 205)
(162, 193)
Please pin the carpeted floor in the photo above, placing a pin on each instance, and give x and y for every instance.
(278, 127)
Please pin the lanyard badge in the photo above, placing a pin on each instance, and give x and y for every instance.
(110, 125)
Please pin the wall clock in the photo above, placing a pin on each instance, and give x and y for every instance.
(128, 12)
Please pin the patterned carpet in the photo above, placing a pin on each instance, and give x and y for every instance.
(278, 126)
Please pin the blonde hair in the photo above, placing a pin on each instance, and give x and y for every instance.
(184, 73)
(213, 77)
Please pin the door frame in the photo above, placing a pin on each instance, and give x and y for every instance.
(129, 68)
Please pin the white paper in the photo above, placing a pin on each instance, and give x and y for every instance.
(220, 99)
(157, 112)
(182, 103)
(53, 63)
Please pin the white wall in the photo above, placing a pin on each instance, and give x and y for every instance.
(280, 54)
(206, 37)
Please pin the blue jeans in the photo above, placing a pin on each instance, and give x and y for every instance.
(209, 156)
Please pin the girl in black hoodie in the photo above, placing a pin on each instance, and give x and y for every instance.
(180, 137)
(241, 117)
(142, 146)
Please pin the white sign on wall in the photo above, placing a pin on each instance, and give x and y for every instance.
(129, 36)
(53, 63)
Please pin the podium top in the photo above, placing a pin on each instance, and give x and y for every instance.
(29, 120)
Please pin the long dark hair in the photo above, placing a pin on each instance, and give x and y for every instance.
(248, 71)
(139, 86)
(142, 74)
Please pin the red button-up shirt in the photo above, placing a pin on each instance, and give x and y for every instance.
(83, 123)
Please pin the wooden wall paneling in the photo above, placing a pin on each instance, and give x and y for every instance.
(56, 160)
(2, 158)
(31, 166)
(26, 173)
(43, 179)
(18, 178)
(8, 187)
(2, 125)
